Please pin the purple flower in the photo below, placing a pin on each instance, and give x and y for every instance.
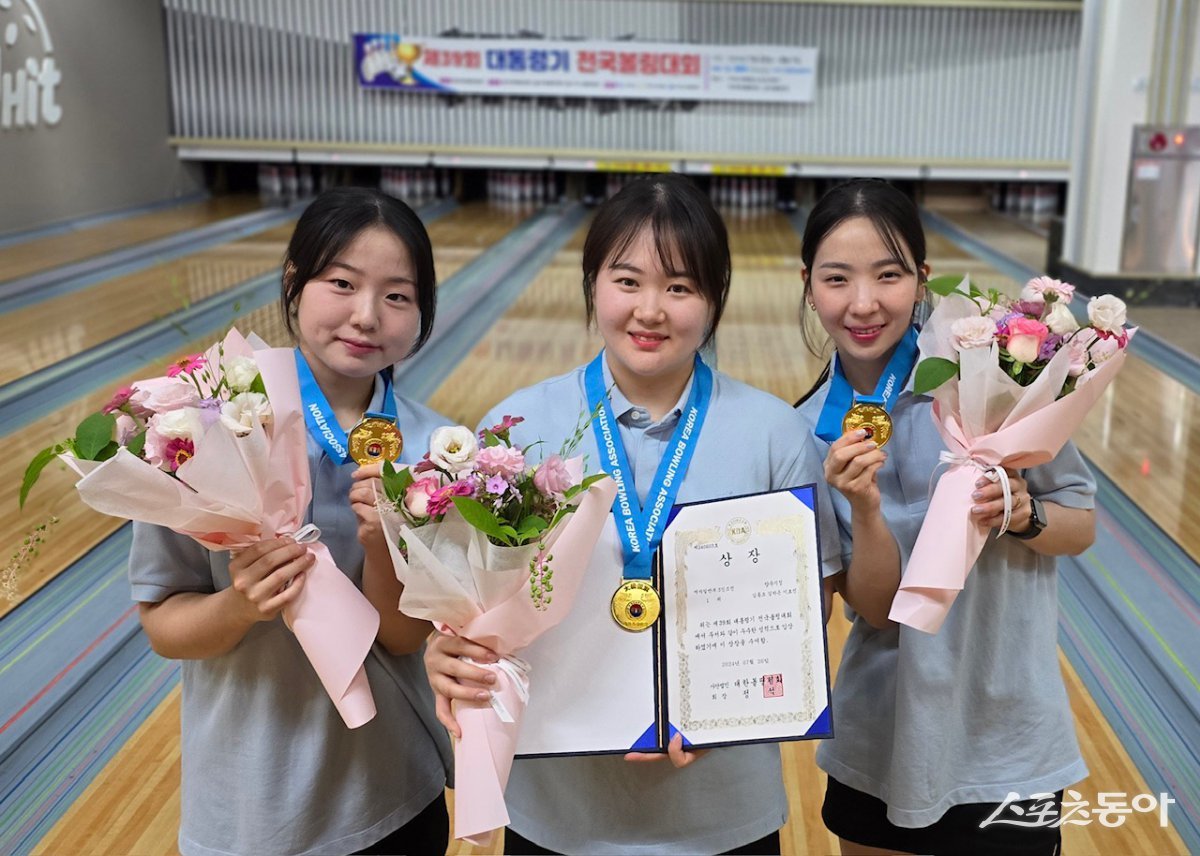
(1050, 346)
(496, 485)
(210, 411)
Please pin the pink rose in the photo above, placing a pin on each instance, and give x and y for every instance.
(500, 461)
(162, 394)
(1025, 337)
(127, 428)
(551, 477)
(416, 498)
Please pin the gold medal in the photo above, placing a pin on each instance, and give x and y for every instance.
(375, 439)
(635, 605)
(872, 417)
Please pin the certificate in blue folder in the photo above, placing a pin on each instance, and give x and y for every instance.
(739, 654)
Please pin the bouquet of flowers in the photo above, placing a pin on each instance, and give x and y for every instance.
(1011, 381)
(492, 548)
(217, 450)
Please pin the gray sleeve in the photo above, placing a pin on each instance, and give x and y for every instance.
(1065, 481)
(163, 563)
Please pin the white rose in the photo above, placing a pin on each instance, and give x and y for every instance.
(245, 410)
(973, 332)
(1060, 320)
(184, 422)
(453, 448)
(1107, 313)
(240, 372)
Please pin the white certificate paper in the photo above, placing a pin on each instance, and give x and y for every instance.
(744, 648)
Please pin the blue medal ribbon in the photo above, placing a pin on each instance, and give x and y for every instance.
(842, 396)
(318, 413)
(640, 528)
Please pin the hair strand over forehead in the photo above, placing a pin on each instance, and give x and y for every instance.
(689, 237)
(331, 223)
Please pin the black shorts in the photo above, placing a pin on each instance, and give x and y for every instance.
(862, 818)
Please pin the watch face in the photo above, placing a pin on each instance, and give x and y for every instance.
(1037, 517)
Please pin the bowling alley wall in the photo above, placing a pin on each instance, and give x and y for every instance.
(919, 86)
(84, 111)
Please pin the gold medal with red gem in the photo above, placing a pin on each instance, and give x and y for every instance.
(636, 605)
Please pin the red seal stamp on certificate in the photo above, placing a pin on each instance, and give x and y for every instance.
(772, 686)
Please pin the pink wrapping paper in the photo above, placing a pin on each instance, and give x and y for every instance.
(467, 588)
(986, 420)
(244, 490)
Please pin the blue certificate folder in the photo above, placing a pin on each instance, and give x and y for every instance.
(738, 655)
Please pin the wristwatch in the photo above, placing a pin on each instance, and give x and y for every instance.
(1037, 521)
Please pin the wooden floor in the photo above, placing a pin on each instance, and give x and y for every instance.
(40, 254)
(133, 805)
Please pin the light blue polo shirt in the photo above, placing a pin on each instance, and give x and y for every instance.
(925, 722)
(750, 442)
(268, 764)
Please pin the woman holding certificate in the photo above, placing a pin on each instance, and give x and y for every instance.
(656, 272)
(936, 735)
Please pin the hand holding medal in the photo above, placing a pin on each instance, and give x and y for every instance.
(853, 465)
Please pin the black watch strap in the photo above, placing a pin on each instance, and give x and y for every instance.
(1037, 521)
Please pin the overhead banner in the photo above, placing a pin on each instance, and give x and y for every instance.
(534, 67)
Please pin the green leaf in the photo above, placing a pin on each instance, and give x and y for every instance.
(489, 438)
(93, 434)
(533, 523)
(592, 479)
(39, 462)
(478, 516)
(395, 483)
(944, 285)
(136, 444)
(932, 372)
(108, 451)
(575, 490)
(258, 386)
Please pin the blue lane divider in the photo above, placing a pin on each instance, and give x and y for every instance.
(67, 279)
(1161, 354)
(61, 228)
(482, 297)
(1130, 614)
(40, 393)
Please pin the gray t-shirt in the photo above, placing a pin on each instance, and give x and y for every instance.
(730, 796)
(977, 710)
(269, 767)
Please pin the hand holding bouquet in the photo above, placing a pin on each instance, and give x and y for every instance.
(491, 547)
(1011, 381)
(217, 450)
